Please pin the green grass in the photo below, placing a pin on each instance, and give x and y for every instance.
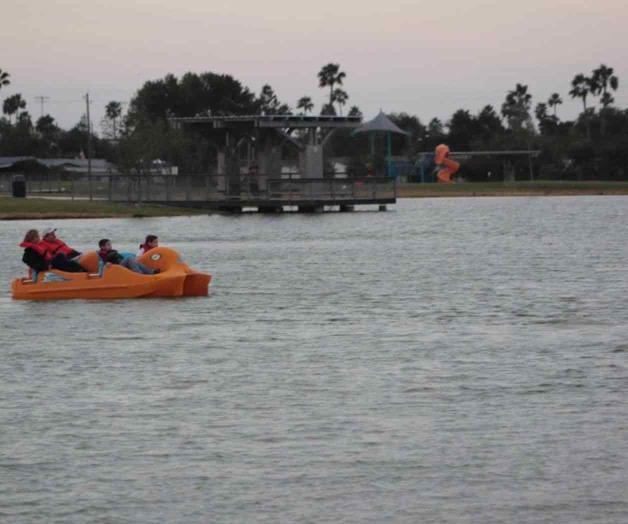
(35, 208)
(549, 187)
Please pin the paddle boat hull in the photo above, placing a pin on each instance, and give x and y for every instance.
(175, 279)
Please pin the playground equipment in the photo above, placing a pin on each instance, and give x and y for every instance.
(382, 124)
(446, 168)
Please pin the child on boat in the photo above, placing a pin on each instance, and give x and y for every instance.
(111, 256)
(150, 242)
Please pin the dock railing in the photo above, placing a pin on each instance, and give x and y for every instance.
(214, 189)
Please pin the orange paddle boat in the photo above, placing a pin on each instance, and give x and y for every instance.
(175, 279)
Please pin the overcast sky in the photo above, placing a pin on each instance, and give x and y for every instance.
(428, 58)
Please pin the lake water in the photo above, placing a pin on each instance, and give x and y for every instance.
(451, 360)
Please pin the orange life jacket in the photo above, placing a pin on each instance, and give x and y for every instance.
(55, 247)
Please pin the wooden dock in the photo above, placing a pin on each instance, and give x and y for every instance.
(259, 193)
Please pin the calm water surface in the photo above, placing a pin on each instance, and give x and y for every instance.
(453, 360)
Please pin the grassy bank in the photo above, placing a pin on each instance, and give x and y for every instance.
(553, 188)
(39, 208)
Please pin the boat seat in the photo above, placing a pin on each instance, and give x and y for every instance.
(90, 261)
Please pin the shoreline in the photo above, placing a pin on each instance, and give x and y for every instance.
(515, 189)
(49, 209)
(61, 209)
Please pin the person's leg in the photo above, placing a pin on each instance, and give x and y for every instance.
(132, 264)
(62, 263)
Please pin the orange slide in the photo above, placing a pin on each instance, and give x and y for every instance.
(445, 166)
(175, 279)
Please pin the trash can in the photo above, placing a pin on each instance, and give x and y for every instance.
(18, 185)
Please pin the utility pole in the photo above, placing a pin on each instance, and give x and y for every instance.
(89, 147)
(42, 99)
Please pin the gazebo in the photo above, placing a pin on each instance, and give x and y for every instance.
(381, 124)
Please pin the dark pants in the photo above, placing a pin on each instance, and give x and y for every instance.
(63, 263)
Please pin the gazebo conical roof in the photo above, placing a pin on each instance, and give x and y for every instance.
(380, 123)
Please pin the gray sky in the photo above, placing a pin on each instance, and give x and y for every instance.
(425, 57)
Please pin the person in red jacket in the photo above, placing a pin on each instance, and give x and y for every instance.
(59, 253)
(151, 242)
(34, 252)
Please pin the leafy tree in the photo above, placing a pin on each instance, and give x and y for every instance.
(416, 133)
(463, 126)
(24, 118)
(269, 103)
(74, 141)
(139, 145)
(340, 97)
(435, 127)
(547, 123)
(45, 125)
(194, 95)
(355, 111)
(328, 110)
(12, 105)
(329, 76)
(489, 124)
(554, 101)
(305, 103)
(48, 134)
(4, 79)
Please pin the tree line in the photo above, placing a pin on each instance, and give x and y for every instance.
(593, 145)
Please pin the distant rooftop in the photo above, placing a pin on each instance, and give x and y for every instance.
(70, 164)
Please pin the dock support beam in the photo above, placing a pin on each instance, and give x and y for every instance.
(382, 207)
(270, 210)
(346, 208)
(311, 209)
(235, 209)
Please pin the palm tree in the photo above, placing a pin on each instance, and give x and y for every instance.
(305, 103)
(581, 87)
(113, 111)
(340, 97)
(516, 107)
(602, 80)
(554, 101)
(329, 76)
(12, 105)
(4, 78)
